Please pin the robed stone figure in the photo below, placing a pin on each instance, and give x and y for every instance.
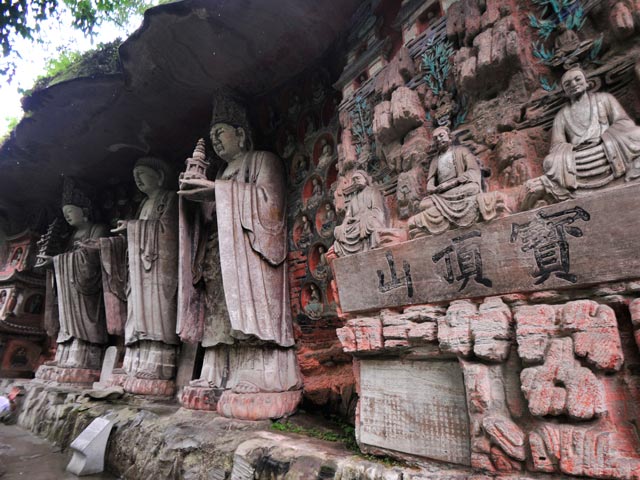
(249, 344)
(152, 255)
(593, 143)
(82, 331)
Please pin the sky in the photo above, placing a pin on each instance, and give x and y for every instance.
(57, 35)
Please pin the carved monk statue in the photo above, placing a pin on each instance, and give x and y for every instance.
(453, 185)
(365, 216)
(152, 250)
(78, 281)
(593, 142)
(249, 352)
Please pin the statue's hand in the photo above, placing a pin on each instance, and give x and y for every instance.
(121, 227)
(44, 260)
(196, 189)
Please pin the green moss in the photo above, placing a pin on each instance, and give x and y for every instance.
(102, 60)
(346, 435)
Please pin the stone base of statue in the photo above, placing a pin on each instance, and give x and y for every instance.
(200, 398)
(74, 376)
(117, 378)
(259, 406)
(145, 386)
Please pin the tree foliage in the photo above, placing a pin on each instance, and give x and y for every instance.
(22, 18)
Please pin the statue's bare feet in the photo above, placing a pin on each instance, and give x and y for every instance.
(245, 387)
(51, 363)
(201, 383)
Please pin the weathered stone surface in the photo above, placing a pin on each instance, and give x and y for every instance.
(259, 406)
(491, 331)
(198, 398)
(454, 329)
(361, 334)
(621, 20)
(595, 333)
(634, 309)
(80, 376)
(535, 325)
(562, 386)
(407, 110)
(430, 393)
(415, 148)
(463, 21)
(143, 386)
(507, 435)
(510, 147)
(108, 364)
(580, 451)
(383, 128)
(397, 73)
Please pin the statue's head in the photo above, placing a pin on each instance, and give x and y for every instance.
(359, 179)
(442, 138)
(75, 215)
(76, 205)
(574, 82)
(151, 175)
(230, 131)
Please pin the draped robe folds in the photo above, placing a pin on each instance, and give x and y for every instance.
(457, 206)
(79, 289)
(252, 232)
(608, 124)
(364, 218)
(152, 246)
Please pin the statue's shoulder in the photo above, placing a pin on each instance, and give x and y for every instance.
(266, 156)
(99, 230)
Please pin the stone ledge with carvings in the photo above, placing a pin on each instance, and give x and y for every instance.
(77, 376)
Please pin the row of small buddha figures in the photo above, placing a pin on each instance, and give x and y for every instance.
(594, 143)
(250, 366)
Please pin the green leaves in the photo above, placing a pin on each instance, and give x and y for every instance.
(436, 62)
(20, 18)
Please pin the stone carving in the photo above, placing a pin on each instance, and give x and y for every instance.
(152, 249)
(576, 450)
(593, 142)
(555, 336)
(321, 270)
(365, 217)
(78, 281)
(301, 167)
(327, 220)
(248, 353)
(306, 234)
(454, 190)
(326, 154)
(313, 306)
(409, 192)
(562, 386)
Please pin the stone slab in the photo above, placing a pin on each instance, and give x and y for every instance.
(108, 364)
(590, 240)
(416, 407)
(89, 448)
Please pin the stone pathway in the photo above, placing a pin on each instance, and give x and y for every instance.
(25, 456)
